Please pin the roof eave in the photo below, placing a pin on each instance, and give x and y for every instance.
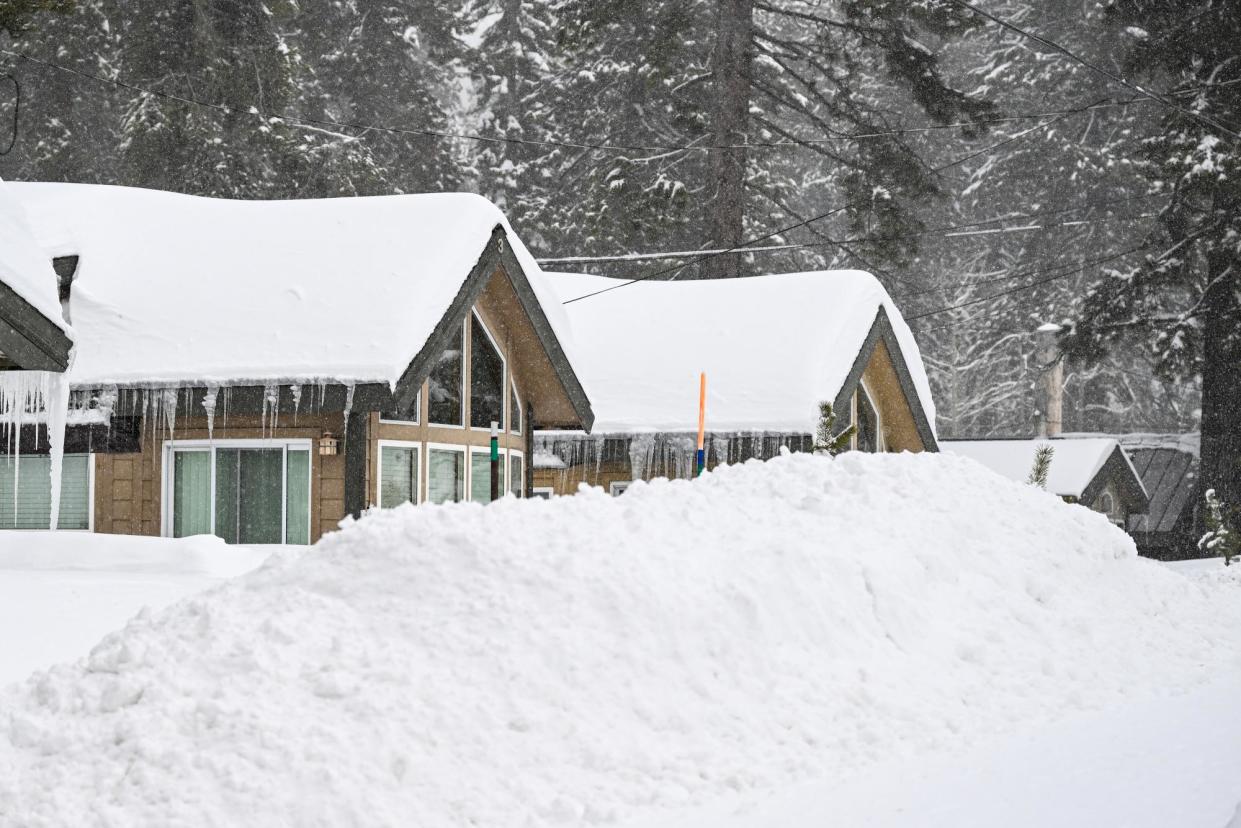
(29, 338)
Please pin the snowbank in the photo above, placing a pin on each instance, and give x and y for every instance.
(592, 659)
(199, 555)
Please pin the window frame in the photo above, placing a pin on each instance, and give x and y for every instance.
(90, 492)
(285, 444)
(880, 442)
(416, 445)
(623, 484)
(508, 472)
(417, 412)
(505, 379)
(537, 492)
(514, 396)
(460, 448)
(465, 386)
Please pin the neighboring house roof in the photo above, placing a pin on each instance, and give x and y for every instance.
(773, 347)
(33, 332)
(1168, 464)
(1080, 468)
(177, 289)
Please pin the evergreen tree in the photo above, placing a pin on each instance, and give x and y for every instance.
(1221, 538)
(1184, 300)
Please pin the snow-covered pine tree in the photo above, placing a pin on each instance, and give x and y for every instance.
(514, 58)
(1184, 300)
(229, 54)
(826, 438)
(386, 63)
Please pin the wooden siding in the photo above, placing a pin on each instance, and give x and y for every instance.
(900, 431)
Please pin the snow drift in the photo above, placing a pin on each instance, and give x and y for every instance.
(592, 659)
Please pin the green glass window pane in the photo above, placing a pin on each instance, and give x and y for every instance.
(227, 484)
(446, 385)
(445, 475)
(30, 506)
(259, 494)
(486, 380)
(297, 497)
(480, 476)
(398, 481)
(516, 476)
(191, 493)
(75, 502)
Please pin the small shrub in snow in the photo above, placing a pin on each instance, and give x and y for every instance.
(824, 439)
(1042, 465)
(1221, 538)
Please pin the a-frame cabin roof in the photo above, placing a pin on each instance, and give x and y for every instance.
(33, 332)
(773, 348)
(176, 289)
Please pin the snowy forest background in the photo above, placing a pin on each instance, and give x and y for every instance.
(988, 181)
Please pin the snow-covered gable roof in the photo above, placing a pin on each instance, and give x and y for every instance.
(27, 271)
(773, 347)
(173, 288)
(1074, 465)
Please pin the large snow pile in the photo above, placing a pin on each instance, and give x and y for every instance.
(592, 659)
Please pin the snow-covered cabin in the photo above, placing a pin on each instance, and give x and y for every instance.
(773, 348)
(33, 333)
(259, 370)
(1168, 466)
(1093, 471)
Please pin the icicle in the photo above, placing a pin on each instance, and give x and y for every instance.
(348, 409)
(56, 403)
(209, 400)
(168, 412)
(271, 402)
(297, 401)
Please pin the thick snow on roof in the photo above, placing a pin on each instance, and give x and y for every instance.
(773, 347)
(175, 288)
(605, 663)
(24, 267)
(1074, 464)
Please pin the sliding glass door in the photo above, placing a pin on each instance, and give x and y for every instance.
(242, 491)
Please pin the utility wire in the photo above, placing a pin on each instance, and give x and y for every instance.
(495, 139)
(741, 247)
(965, 230)
(1107, 73)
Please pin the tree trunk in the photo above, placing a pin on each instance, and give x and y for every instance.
(1221, 390)
(730, 67)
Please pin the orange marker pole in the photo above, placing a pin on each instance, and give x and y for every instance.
(702, 421)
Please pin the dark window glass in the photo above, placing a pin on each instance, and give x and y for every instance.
(486, 380)
(446, 383)
(248, 492)
(514, 408)
(868, 423)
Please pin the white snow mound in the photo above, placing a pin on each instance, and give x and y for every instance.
(590, 660)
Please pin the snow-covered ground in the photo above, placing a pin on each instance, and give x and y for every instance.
(60, 592)
(870, 640)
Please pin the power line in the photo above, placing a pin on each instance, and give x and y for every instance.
(1051, 44)
(968, 229)
(495, 139)
(805, 222)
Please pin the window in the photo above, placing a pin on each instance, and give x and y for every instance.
(446, 385)
(407, 416)
(544, 492)
(867, 422)
(31, 508)
(398, 474)
(517, 474)
(244, 491)
(514, 410)
(619, 487)
(445, 474)
(486, 378)
(480, 475)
